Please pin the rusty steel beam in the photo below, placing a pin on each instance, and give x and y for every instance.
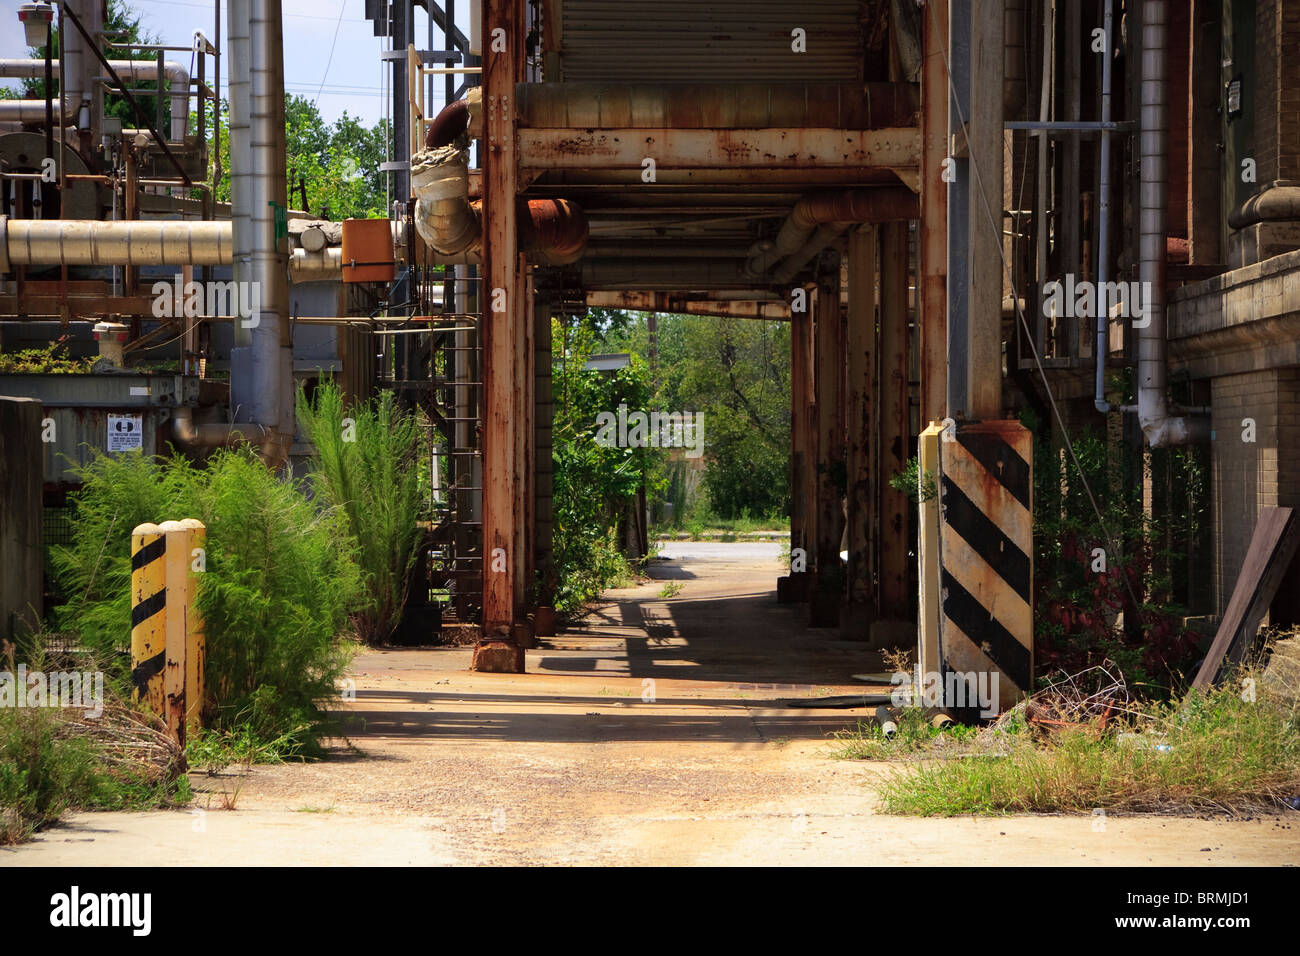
(896, 598)
(774, 310)
(627, 148)
(716, 105)
(503, 305)
(828, 383)
(861, 405)
(933, 245)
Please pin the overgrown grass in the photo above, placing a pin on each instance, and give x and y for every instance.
(368, 463)
(1220, 751)
(915, 735)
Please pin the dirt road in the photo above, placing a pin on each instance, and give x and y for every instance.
(654, 733)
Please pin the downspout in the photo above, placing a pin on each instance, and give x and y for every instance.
(1103, 217)
(32, 112)
(1160, 427)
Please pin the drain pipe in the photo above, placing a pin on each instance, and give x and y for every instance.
(261, 380)
(1161, 428)
(796, 236)
(1103, 217)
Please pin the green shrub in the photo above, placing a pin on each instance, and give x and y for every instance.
(279, 582)
(41, 774)
(370, 472)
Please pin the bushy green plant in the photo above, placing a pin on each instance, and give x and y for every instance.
(368, 464)
(277, 587)
(592, 482)
(41, 774)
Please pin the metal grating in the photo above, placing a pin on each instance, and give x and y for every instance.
(686, 41)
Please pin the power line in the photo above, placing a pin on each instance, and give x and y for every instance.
(343, 5)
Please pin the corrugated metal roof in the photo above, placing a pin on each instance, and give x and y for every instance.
(688, 41)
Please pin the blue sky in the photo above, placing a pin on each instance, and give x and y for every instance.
(353, 79)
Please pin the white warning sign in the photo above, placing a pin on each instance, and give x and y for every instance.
(125, 432)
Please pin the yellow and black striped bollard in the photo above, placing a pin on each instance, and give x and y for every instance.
(148, 615)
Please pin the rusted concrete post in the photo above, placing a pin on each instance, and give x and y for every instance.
(861, 399)
(504, 310)
(933, 244)
(897, 599)
(828, 372)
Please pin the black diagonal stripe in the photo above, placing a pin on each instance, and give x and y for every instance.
(150, 552)
(145, 670)
(1000, 460)
(1008, 654)
(986, 539)
(148, 608)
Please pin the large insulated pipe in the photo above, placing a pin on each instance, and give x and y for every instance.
(33, 111)
(882, 204)
(261, 383)
(1158, 425)
(75, 242)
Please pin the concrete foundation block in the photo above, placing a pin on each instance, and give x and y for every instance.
(498, 657)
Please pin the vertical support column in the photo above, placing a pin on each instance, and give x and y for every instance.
(503, 309)
(525, 449)
(801, 402)
(861, 397)
(983, 354)
(933, 239)
(828, 372)
(896, 599)
(959, 192)
(544, 488)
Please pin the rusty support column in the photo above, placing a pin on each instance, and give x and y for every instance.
(828, 375)
(861, 401)
(543, 486)
(896, 598)
(504, 309)
(933, 244)
(983, 356)
(794, 587)
(525, 455)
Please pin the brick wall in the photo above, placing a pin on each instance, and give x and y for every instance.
(1277, 77)
(1248, 476)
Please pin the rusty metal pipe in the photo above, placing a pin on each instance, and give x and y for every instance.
(451, 122)
(554, 231)
(885, 204)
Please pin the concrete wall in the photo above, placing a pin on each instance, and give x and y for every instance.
(21, 515)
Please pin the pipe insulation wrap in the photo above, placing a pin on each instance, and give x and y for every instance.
(444, 217)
